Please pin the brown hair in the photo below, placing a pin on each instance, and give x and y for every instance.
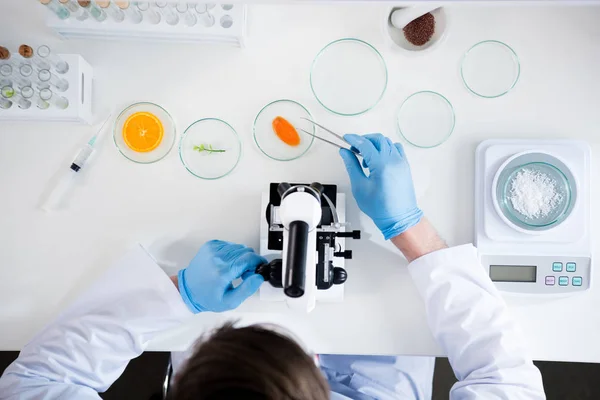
(249, 363)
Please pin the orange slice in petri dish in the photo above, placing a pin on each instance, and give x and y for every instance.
(286, 131)
(143, 132)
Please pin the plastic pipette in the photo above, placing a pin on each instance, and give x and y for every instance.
(62, 188)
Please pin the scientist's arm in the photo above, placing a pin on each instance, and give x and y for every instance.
(466, 314)
(89, 345)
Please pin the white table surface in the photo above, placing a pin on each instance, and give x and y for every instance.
(47, 259)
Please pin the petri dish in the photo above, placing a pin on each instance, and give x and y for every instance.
(266, 139)
(426, 119)
(490, 69)
(210, 148)
(348, 77)
(552, 169)
(165, 145)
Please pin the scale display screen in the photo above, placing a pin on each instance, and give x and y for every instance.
(513, 273)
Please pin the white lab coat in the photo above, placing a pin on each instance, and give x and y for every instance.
(89, 345)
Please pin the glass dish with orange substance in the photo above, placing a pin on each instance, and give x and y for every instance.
(144, 133)
(277, 130)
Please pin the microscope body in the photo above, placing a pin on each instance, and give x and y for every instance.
(302, 234)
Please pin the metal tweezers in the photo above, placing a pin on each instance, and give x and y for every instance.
(352, 149)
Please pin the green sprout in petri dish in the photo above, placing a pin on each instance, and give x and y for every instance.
(208, 148)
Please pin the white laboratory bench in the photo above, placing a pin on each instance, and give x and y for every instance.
(47, 259)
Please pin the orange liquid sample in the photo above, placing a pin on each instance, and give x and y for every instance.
(143, 132)
(286, 131)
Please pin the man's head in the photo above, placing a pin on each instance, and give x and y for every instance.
(249, 363)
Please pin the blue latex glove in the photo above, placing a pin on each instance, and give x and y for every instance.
(205, 285)
(387, 194)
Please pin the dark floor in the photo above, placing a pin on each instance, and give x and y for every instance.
(563, 381)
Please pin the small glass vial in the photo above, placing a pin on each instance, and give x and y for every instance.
(115, 12)
(167, 12)
(61, 66)
(10, 94)
(57, 8)
(206, 18)
(54, 99)
(189, 18)
(80, 14)
(95, 12)
(132, 13)
(149, 13)
(27, 53)
(46, 76)
(6, 70)
(30, 94)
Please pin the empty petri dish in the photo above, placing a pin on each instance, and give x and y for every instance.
(426, 119)
(144, 132)
(490, 69)
(210, 148)
(348, 77)
(267, 140)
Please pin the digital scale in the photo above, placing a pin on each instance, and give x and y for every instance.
(553, 260)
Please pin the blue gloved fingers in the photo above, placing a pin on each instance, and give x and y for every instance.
(364, 146)
(234, 297)
(355, 172)
(400, 149)
(231, 253)
(248, 261)
(379, 141)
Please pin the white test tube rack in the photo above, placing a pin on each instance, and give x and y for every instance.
(79, 95)
(229, 28)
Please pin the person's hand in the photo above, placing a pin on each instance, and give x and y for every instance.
(206, 284)
(387, 194)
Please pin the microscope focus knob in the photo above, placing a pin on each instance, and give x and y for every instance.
(339, 276)
(272, 272)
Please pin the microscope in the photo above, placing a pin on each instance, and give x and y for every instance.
(303, 231)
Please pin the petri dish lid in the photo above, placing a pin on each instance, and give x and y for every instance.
(210, 148)
(348, 77)
(166, 143)
(266, 139)
(490, 69)
(426, 119)
(540, 163)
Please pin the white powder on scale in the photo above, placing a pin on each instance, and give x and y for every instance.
(533, 194)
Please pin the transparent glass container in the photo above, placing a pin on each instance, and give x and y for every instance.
(189, 18)
(267, 140)
(168, 12)
(166, 143)
(132, 13)
(30, 94)
(490, 69)
(204, 15)
(425, 119)
(60, 65)
(95, 12)
(562, 187)
(45, 76)
(210, 148)
(57, 8)
(149, 13)
(9, 93)
(54, 99)
(348, 77)
(112, 10)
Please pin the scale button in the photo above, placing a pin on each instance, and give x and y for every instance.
(563, 281)
(557, 267)
(571, 267)
(550, 280)
(577, 281)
